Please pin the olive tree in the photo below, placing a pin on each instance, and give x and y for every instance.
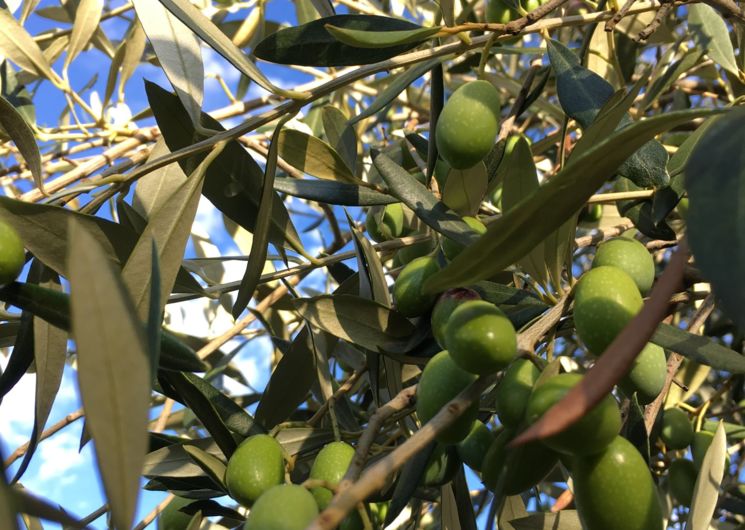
(527, 307)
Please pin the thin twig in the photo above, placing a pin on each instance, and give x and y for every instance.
(64, 422)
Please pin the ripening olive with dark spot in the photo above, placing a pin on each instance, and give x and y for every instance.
(407, 289)
(473, 447)
(629, 255)
(677, 431)
(256, 465)
(518, 469)
(451, 248)
(514, 391)
(385, 223)
(681, 480)
(172, 518)
(12, 253)
(589, 435)
(444, 307)
(647, 374)
(440, 382)
(614, 490)
(283, 507)
(605, 300)
(468, 124)
(480, 337)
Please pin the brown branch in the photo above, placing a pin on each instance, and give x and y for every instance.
(343, 389)
(64, 422)
(374, 478)
(674, 362)
(653, 26)
(610, 25)
(616, 360)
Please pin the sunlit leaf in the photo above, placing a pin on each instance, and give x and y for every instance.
(706, 491)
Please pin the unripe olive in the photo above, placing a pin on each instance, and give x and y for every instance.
(499, 12)
(451, 249)
(12, 254)
(605, 300)
(283, 507)
(514, 391)
(523, 467)
(330, 465)
(682, 208)
(614, 490)
(677, 431)
(480, 338)
(647, 374)
(629, 255)
(681, 480)
(441, 467)
(444, 307)
(172, 518)
(468, 124)
(473, 447)
(589, 435)
(441, 381)
(407, 289)
(420, 249)
(591, 213)
(391, 224)
(442, 170)
(256, 465)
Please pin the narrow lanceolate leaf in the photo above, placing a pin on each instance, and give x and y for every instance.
(210, 464)
(113, 371)
(312, 44)
(169, 226)
(18, 46)
(417, 197)
(50, 352)
(706, 491)
(260, 241)
(313, 156)
(381, 39)
(331, 192)
(177, 50)
(8, 517)
(711, 34)
(340, 135)
(563, 520)
(357, 320)
(154, 321)
(703, 350)
(514, 234)
(715, 180)
(13, 123)
(197, 22)
(87, 17)
(582, 93)
(465, 189)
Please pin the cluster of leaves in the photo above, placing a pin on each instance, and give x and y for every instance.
(587, 113)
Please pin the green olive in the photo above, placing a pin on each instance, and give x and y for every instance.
(473, 447)
(677, 431)
(409, 253)
(605, 300)
(614, 490)
(441, 381)
(386, 223)
(480, 338)
(283, 507)
(444, 307)
(172, 518)
(514, 391)
(330, 465)
(451, 249)
(681, 480)
(647, 374)
(499, 12)
(468, 124)
(407, 289)
(256, 465)
(589, 435)
(629, 255)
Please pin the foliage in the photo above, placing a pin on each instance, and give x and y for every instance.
(564, 107)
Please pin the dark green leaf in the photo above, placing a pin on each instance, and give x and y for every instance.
(563, 520)
(311, 44)
(514, 234)
(715, 180)
(357, 320)
(113, 370)
(330, 192)
(641, 212)
(408, 481)
(381, 39)
(174, 461)
(21, 356)
(417, 197)
(313, 156)
(210, 464)
(233, 181)
(703, 350)
(582, 93)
